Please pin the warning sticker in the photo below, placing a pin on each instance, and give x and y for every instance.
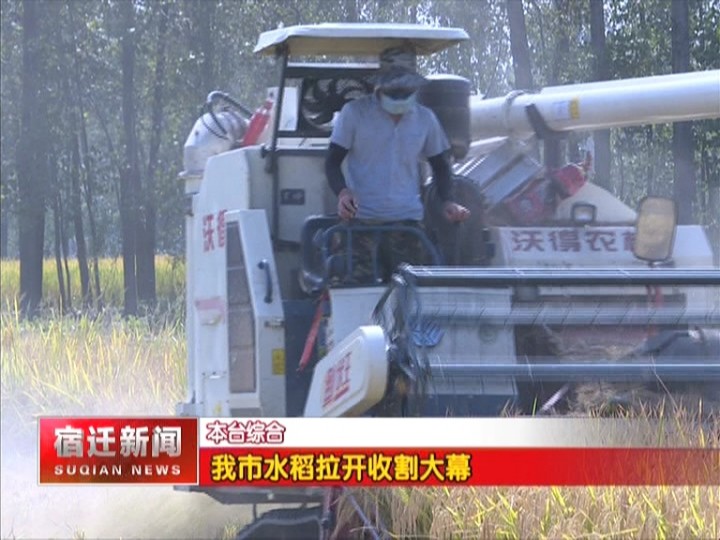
(278, 362)
(566, 109)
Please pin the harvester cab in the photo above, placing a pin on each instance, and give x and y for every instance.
(257, 215)
(275, 327)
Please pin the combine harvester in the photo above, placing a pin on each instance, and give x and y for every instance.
(274, 324)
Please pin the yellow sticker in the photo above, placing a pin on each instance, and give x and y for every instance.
(575, 109)
(278, 361)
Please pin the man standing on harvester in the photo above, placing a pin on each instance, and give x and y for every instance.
(385, 136)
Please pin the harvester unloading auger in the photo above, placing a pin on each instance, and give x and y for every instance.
(276, 328)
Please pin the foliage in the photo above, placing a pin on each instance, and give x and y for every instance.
(209, 46)
(82, 364)
(170, 284)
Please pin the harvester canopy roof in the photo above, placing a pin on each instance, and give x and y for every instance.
(357, 39)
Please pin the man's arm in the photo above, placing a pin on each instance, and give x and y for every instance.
(347, 202)
(442, 175)
(333, 168)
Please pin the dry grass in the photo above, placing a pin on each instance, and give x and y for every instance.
(71, 366)
(554, 512)
(548, 513)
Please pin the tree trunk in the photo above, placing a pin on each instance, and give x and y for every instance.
(58, 254)
(650, 176)
(207, 19)
(61, 240)
(146, 240)
(562, 43)
(88, 173)
(4, 224)
(683, 146)
(130, 176)
(519, 45)
(94, 239)
(710, 177)
(602, 160)
(31, 165)
(89, 203)
(202, 15)
(63, 232)
(76, 212)
(521, 54)
(87, 193)
(351, 11)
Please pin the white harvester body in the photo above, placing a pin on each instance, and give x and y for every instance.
(251, 298)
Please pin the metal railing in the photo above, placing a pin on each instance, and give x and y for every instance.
(335, 245)
(682, 370)
(440, 276)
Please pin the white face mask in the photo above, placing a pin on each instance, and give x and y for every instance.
(397, 106)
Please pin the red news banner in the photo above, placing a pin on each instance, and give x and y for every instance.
(118, 451)
(294, 452)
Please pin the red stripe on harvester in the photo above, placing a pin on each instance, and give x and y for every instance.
(312, 336)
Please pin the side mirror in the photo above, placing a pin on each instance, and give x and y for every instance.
(655, 229)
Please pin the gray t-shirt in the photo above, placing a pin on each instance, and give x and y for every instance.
(384, 158)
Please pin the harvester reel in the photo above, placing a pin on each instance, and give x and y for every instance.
(322, 98)
(406, 391)
(409, 371)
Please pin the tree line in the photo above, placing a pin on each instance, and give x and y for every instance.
(98, 97)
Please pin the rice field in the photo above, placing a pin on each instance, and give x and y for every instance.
(169, 275)
(547, 513)
(103, 364)
(72, 365)
(663, 512)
